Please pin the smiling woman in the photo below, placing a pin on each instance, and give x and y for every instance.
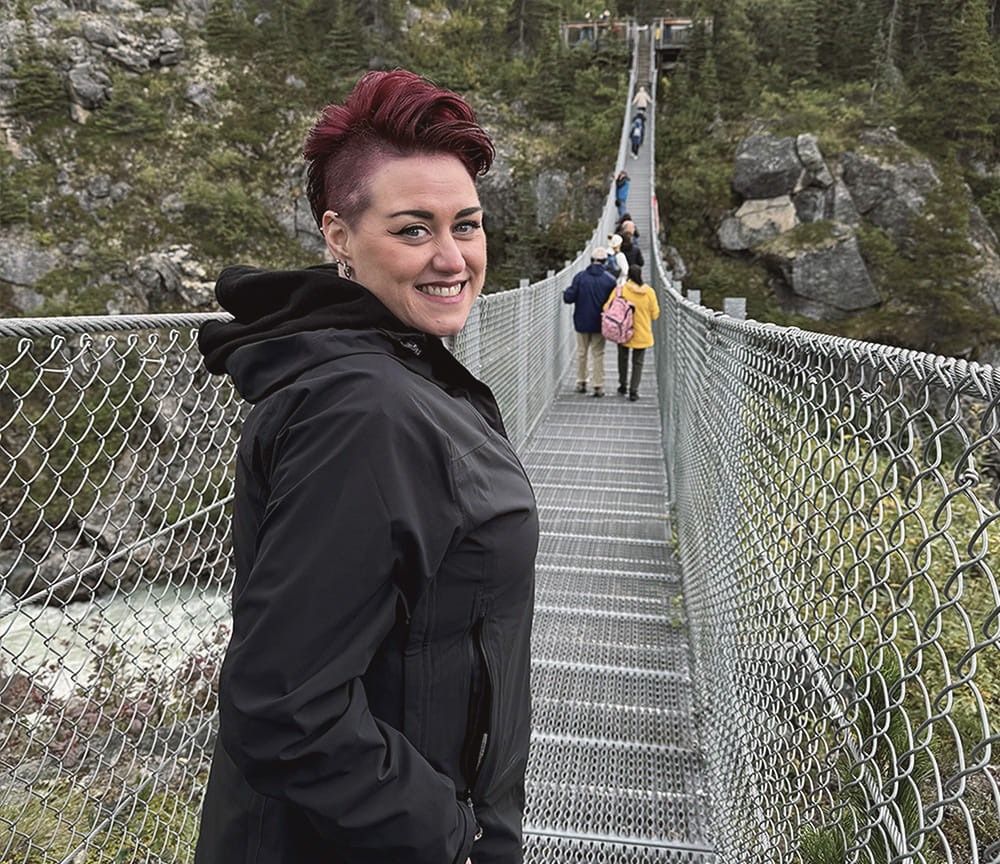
(374, 700)
(419, 246)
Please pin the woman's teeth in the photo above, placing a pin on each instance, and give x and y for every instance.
(442, 290)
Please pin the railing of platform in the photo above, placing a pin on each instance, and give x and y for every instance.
(836, 507)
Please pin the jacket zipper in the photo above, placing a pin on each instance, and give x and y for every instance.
(478, 735)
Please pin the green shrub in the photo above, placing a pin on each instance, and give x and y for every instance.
(223, 217)
(39, 94)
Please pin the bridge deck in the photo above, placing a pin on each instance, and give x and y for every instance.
(615, 773)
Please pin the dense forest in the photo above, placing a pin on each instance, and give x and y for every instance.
(199, 147)
(928, 71)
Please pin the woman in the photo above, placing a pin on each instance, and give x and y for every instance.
(374, 699)
(646, 309)
(630, 249)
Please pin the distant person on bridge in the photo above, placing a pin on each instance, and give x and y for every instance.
(588, 291)
(636, 133)
(631, 250)
(617, 262)
(622, 182)
(642, 99)
(627, 225)
(373, 701)
(646, 310)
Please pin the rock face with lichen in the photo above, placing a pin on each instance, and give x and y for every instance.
(801, 210)
(109, 201)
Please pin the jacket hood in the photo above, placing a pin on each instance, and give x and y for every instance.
(270, 307)
(266, 304)
(288, 321)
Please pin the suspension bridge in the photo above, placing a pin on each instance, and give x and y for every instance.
(770, 635)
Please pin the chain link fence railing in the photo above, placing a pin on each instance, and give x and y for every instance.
(116, 450)
(836, 507)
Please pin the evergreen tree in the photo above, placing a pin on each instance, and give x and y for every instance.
(973, 92)
(548, 87)
(735, 56)
(887, 77)
(39, 94)
(346, 40)
(932, 301)
(836, 57)
(963, 106)
(528, 24)
(927, 46)
(801, 57)
(227, 31)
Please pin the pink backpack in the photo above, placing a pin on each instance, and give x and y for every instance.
(616, 320)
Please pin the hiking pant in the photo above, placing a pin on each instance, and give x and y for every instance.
(638, 355)
(594, 344)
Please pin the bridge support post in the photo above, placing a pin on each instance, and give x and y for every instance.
(735, 307)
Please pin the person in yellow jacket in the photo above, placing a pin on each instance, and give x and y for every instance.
(646, 310)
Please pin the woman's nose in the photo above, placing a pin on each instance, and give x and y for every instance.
(449, 257)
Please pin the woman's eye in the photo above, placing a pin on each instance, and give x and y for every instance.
(467, 227)
(411, 231)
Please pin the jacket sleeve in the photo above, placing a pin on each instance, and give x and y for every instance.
(654, 312)
(356, 494)
(569, 295)
(639, 258)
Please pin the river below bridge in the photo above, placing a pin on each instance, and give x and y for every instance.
(151, 628)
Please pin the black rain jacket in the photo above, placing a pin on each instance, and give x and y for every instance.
(374, 698)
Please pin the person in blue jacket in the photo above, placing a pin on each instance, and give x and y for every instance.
(636, 134)
(622, 182)
(588, 291)
(374, 698)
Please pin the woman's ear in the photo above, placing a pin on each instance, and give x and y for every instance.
(336, 235)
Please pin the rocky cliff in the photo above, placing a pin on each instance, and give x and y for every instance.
(802, 211)
(136, 159)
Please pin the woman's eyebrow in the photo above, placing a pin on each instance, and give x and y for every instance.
(426, 214)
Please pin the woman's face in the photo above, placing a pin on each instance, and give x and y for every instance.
(420, 246)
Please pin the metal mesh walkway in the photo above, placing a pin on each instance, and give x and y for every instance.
(615, 773)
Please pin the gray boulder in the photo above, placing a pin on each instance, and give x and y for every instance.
(755, 221)
(887, 181)
(817, 174)
(551, 189)
(827, 276)
(834, 202)
(167, 278)
(22, 260)
(89, 86)
(767, 167)
(104, 32)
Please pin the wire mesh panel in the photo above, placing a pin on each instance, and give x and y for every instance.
(836, 503)
(114, 548)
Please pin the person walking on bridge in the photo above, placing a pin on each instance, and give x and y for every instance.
(622, 182)
(636, 133)
(642, 99)
(588, 291)
(646, 310)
